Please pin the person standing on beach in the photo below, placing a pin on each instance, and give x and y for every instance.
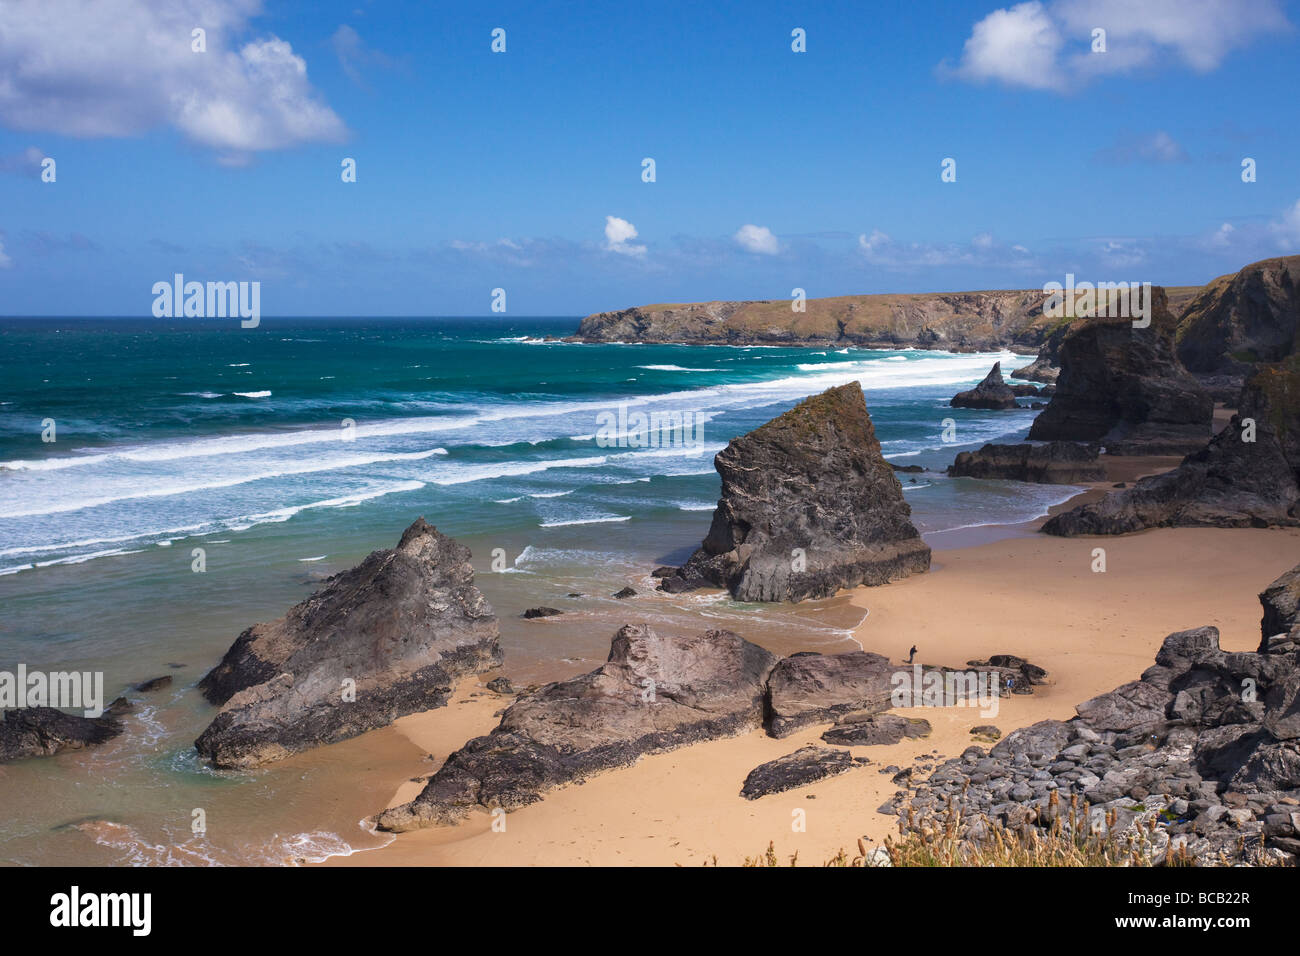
(912, 656)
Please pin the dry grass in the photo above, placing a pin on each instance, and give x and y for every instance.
(945, 841)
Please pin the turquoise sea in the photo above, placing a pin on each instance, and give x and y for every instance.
(203, 477)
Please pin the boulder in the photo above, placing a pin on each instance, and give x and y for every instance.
(817, 688)
(45, 731)
(388, 638)
(806, 765)
(1054, 463)
(992, 393)
(655, 693)
(809, 506)
(153, 684)
(1125, 388)
(536, 612)
(1281, 623)
(867, 729)
(1233, 482)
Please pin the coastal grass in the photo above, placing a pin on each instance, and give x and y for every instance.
(945, 841)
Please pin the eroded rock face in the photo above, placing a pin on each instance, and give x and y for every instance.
(806, 765)
(396, 632)
(1125, 388)
(957, 321)
(991, 393)
(809, 506)
(1281, 623)
(655, 693)
(1232, 483)
(45, 731)
(1240, 319)
(1203, 752)
(1053, 463)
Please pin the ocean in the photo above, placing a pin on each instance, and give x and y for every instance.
(202, 477)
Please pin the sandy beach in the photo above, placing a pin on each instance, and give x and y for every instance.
(1027, 594)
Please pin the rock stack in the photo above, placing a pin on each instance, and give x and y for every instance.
(809, 506)
(388, 638)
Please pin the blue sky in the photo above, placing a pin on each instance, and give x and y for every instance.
(774, 169)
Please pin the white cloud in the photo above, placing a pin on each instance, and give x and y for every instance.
(982, 250)
(90, 68)
(757, 239)
(1018, 47)
(1049, 46)
(1223, 236)
(27, 161)
(1157, 147)
(5, 261)
(618, 236)
(1287, 229)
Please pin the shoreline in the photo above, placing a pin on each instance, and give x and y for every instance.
(1091, 631)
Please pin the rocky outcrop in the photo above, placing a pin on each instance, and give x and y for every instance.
(809, 506)
(817, 688)
(1233, 482)
(1241, 319)
(389, 637)
(1053, 463)
(1046, 367)
(864, 729)
(991, 393)
(956, 321)
(1125, 388)
(806, 765)
(1281, 624)
(45, 731)
(655, 693)
(1202, 753)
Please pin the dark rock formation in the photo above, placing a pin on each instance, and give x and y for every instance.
(153, 684)
(1203, 752)
(1281, 623)
(1024, 391)
(398, 630)
(1011, 666)
(986, 732)
(1046, 367)
(500, 685)
(1231, 483)
(1238, 320)
(1054, 463)
(870, 730)
(806, 765)
(44, 731)
(991, 393)
(808, 507)
(816, 688)
(626, 593)
(535, 612)
(653, 694)
(1124, 387)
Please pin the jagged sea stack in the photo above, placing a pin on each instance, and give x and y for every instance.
(1125, 388)
(992, 393)
(809, 506)
(1247, 476)
(388, 638)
